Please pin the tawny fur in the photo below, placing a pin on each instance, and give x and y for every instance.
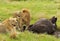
(23, 18)
(9, 26)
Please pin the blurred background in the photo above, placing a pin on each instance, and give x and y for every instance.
(38, 9)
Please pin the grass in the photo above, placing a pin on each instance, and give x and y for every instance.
(29, 36)
(38, 9)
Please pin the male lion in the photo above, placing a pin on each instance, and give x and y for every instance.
(23, 18)
(9, 26)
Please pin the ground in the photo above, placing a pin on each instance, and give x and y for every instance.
(38, 9)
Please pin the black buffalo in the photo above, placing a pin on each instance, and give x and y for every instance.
(44, 25)
(54, 20)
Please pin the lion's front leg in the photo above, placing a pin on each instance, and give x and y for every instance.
(20, 24)
(27, 25)
(13, 33)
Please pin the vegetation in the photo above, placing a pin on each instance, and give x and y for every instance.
(38, 9)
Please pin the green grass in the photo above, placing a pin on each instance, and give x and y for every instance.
(38, 9)
(29, 36)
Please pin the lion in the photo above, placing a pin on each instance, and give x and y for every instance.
(9, 26)
(23, 18)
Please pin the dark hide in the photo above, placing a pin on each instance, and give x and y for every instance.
(54, 20)
(42, 26)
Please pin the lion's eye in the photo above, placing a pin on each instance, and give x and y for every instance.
(18, 16)
(13, 25)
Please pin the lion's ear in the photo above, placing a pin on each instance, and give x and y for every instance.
(25, 10)
(12, 19)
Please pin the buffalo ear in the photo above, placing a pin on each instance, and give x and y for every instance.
(53, 19)
(31, 25)
(24, 27)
